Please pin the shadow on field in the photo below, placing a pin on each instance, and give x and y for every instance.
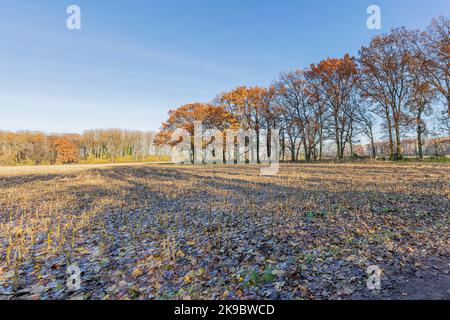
(326, 225)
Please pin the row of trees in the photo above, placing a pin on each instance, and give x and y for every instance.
(397, 87)
(399, 81)
(93, 146)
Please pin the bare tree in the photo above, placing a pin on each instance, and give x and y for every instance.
(435, 56)
(422, 96)
(385, 80)
(300, 114)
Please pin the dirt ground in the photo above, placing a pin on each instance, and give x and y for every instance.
(154, 231)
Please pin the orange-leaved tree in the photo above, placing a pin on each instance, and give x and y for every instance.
(250, 106)
(66, 151)
(211, 117)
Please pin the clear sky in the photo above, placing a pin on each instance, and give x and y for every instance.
(134, 60)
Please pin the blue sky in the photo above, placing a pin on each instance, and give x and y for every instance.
(134, 60)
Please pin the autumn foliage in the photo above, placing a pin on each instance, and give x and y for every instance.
(93, 146)
(329, 108)
(65, 151)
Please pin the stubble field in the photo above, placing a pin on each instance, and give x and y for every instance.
(225, 232)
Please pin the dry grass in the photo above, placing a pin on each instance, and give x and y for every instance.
(163, 231)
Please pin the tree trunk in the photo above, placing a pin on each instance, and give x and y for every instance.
(448, 105)
(224, 150)
(374, 151)
(305, 148)
(293, 151)
(419, 134)
(351, 144)
(398, 142)
(338, 142)
(391, 140)
(320, 138)
(192, 151)
(419, 143)
(297, 152)
(321, 146)
(257, 142)
(351, 138)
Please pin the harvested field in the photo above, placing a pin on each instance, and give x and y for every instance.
(225, 232)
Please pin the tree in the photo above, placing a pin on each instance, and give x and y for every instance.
(385, 80)
(435, 57)
(248, 105)
(338, 79)
(316, 93)
(423, 94)
(365, 117)
(65, 151)
(301, 117)
(271, 114)
(211, 116)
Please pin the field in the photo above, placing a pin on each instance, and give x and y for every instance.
(225, 232)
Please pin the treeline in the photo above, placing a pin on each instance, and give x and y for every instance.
(93, 146)
(396, 88)
(391, 100)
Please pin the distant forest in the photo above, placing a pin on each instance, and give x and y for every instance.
(93, 146)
